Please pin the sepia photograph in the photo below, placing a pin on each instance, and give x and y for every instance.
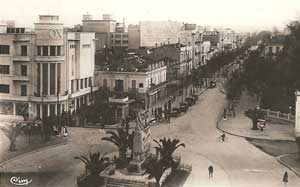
(150, 93)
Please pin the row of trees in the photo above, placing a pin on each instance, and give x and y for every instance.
(274, 81)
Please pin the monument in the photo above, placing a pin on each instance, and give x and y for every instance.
(297, 114)
(141, 143)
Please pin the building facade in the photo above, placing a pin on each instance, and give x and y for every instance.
(42, 65)
(155, 33)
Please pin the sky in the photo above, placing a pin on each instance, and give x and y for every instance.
(229, 13)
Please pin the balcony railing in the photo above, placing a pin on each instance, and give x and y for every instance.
(21, 58)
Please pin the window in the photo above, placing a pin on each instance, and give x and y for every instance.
(4, 49)
(85, 82)
(52, 79)
(133, 82)
(23, 70)
(90, 81)
(277, 49)
(104, 83)
(72, 86)
(4, 69)
(38, 78)
(4, 88)
(77, 84)
(23, 50)
(45, 50)
(52, 109)
(39, 50)
(270, 50)
(125, 41)
(58, 53)
(81, 83)
(86, 45)
(23, 90)
(141, 85)
(52, 50)
(45, 79)
(117, 41)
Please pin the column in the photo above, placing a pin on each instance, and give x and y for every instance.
(14, 108)
(41, 79)
(55, 86)
(48, 64)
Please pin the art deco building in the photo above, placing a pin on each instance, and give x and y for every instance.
(45, 70)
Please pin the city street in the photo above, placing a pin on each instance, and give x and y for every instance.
(236, 162)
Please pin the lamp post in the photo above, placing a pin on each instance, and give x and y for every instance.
(290, 110)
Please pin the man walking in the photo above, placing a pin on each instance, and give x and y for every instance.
(210, 171)
(285, 179)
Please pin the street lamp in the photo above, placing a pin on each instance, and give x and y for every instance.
(290, 110)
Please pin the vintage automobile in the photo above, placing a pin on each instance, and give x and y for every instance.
(175, 112)
(261, 124)
(190, 101)
(212, 84)
(183, 106)
(196, 97)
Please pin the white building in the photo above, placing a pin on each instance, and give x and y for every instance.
(144, 81)
(47, 69)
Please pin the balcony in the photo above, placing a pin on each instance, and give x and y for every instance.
(116, 99)
(17, 77)
(133, 90)
(49, 58)
(21, 58)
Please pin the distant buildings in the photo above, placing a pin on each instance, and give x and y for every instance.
(45, 70)
(109, 32)
(274, 46)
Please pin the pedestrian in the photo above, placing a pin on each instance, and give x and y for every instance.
(285, 179)
(223, 136)
(225, 114)
(210, 171)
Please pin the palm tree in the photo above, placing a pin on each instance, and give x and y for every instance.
(121, 139)
(94, 165)
(166, 147)
(155, 168)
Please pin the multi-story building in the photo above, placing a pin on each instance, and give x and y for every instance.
(109, 32)
(274, 46)
(229, 39)
(16, 69)
(103, 29)
(142, 77)
(133, 36)
(155, 33)
(178, 59)
(40, 67)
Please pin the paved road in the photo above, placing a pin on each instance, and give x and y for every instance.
(237, 163)
(55, 167)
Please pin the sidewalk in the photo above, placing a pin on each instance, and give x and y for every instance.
(241, 125)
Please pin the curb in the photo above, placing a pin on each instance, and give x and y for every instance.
(277, 158)
(242, 136)
(286, 165)
(32, 152)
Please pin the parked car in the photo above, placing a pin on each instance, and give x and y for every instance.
(190, 101)
(212, 84)
(196, 97)
(183, 106)
(175, 112)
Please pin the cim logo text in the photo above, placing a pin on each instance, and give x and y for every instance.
(19, 181)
